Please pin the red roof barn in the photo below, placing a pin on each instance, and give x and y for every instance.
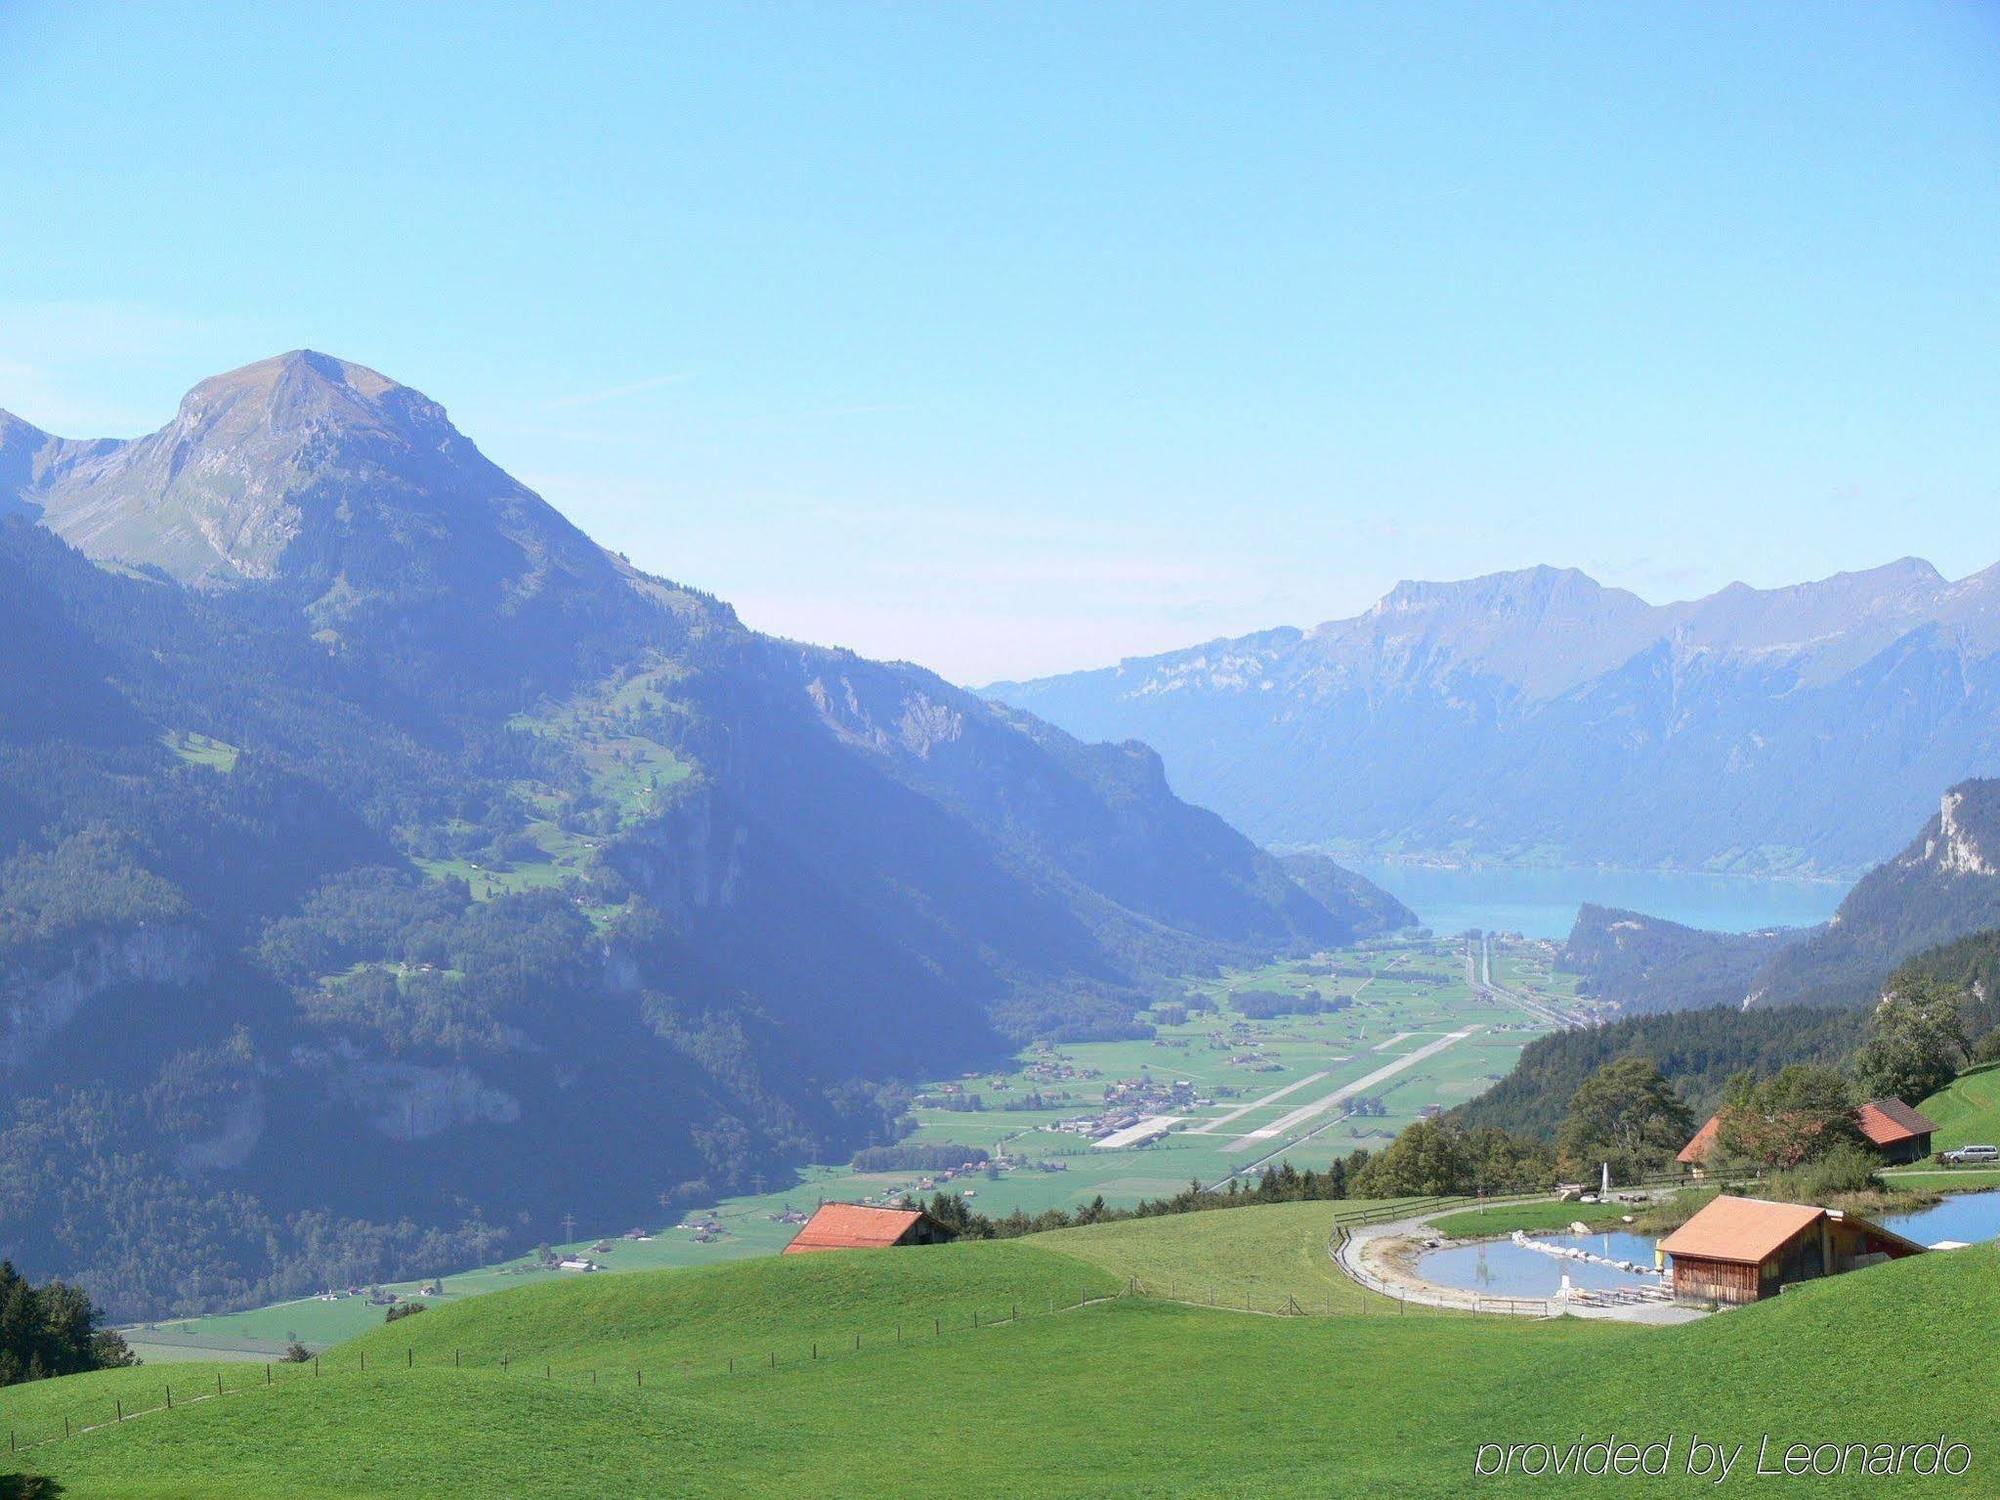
(857, 1226)
(1896, 1130)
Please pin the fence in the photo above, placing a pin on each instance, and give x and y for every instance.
(175, 1392)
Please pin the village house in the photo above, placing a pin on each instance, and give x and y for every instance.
(1744, 1249)
(1897, 1132)
(856, 1226)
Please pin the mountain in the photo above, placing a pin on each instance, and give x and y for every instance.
(1539, 717)
(387, 870)
(1371, 910)
(1649, 964)
(1943, 887)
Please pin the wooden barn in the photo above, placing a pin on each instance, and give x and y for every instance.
(1744, 1249)
(1895, 1130)
(857, 1226)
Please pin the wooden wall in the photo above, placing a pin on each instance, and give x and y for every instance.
(1714, 1280)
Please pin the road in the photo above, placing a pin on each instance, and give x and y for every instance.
(1479, 974)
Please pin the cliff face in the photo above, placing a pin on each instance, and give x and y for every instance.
(46, 990)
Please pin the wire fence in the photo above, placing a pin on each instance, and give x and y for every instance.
(29, 1432)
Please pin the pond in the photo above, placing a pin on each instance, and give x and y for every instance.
(1502, 1268)
(1963, 1216)
(1505, 1269)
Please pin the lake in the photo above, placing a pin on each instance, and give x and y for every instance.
(1543, 903)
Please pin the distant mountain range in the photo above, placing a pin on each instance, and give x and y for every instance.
(1943, 887)
(386, 869)
(1539, 717)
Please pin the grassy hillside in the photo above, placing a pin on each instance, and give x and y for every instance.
(1264, 1254)
(1119, 1397)
(1967, 1112)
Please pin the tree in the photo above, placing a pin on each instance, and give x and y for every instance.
(52, 1330)
(1627, 1114)
(1916, 1043)
(1803, 1113)
(1429, 1159)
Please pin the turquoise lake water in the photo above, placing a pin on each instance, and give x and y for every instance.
(1543, 903)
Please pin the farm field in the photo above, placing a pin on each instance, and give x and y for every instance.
(1402, 999)
(706, 1383)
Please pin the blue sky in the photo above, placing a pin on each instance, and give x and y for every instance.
(1016, 338)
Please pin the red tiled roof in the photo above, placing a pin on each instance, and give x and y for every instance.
(1887, 1121)
(1742, 1230)
(853, 1226)
(1696, 1151)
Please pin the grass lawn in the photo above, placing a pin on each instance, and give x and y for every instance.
(1128, 1397)
(1473, 1223)
(1241, 1256)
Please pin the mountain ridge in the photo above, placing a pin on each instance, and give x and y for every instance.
(1537, 716)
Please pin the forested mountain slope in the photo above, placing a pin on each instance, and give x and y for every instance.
(387, 870)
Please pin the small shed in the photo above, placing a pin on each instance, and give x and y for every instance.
(861, 1226)
(1895, 1130)
(1744, 1249)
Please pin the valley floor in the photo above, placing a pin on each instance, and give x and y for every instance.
(1414, 1033)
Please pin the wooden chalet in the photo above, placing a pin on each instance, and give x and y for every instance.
(1744, 1249)
(858, 1226)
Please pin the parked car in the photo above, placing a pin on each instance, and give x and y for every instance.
(1966, 1154)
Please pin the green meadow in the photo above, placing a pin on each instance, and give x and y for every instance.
(1027, 1367)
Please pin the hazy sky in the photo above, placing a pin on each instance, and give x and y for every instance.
(1009, 338)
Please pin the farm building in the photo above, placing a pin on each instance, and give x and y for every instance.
(1744, 1249)
(1694, 1155)
(1897, 1132)
(857, 1226)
